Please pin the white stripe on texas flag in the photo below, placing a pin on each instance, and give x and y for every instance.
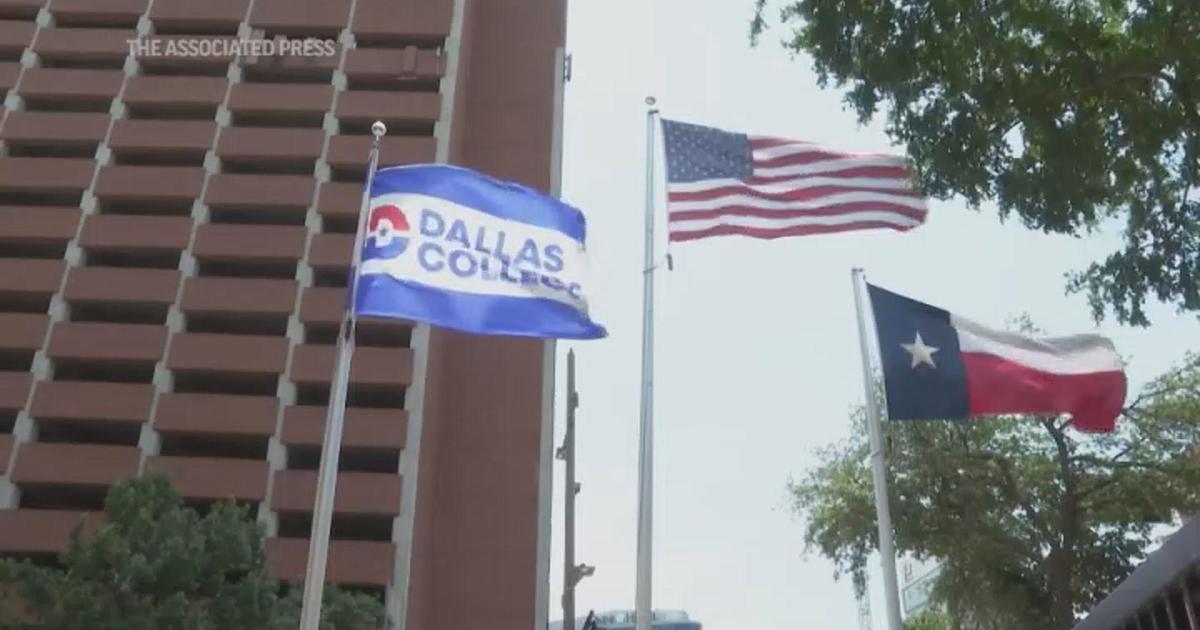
(1010, 373)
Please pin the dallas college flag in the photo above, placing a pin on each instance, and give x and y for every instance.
(458, 249)
(937, 365)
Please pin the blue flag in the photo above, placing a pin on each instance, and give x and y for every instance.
(458, 249)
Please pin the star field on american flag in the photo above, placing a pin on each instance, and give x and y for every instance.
(695, 153)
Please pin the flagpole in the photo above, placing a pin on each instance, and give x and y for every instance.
(318, 544)
(887, 548)
(646, 441)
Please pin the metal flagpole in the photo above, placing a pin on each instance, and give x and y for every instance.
(318, 544)
(1186, 591)
(646, 443)
(887, 549)
(570, 489)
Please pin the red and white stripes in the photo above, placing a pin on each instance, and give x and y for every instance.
(1081, 375)
(798, 188)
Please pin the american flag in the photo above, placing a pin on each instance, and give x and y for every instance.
(719, 182)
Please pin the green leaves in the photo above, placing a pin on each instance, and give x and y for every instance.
(1064, 114)
(930, 620)
(1032, 521)
(155, 564)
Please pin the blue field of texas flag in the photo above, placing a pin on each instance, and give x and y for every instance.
(462, 250)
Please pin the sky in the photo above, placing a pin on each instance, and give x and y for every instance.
(757, 355)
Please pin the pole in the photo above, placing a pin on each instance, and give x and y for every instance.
(646, 441)
(570, 571)
(318, 544)
(887, 549)
(1166, 597)
(1186, 590)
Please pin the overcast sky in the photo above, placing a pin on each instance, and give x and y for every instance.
(757, 353)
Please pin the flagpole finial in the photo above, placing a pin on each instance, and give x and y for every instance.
(378, 129)
(651, 101)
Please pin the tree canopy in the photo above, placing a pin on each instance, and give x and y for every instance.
(930, 620)
(1066, 114)
(1031, 521)
(154, 564)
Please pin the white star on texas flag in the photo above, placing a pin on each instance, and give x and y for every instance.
(920, 352)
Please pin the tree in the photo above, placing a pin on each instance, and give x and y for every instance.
(1064, 113)
(930, 620)
(155, 564)
(1032, 521)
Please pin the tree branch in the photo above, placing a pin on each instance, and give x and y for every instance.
(1137, 402)
(1016, 494)
(1061, 568)
(1114, 465)
(1092, 459)
(1085, 494)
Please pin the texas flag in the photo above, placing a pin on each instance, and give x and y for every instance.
(939, 366)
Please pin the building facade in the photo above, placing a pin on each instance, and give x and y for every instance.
(917, 578)
(1163, 592)
(177, 208)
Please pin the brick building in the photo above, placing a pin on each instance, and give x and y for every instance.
(175, 231)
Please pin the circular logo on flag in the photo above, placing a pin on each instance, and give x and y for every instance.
(387, 232)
